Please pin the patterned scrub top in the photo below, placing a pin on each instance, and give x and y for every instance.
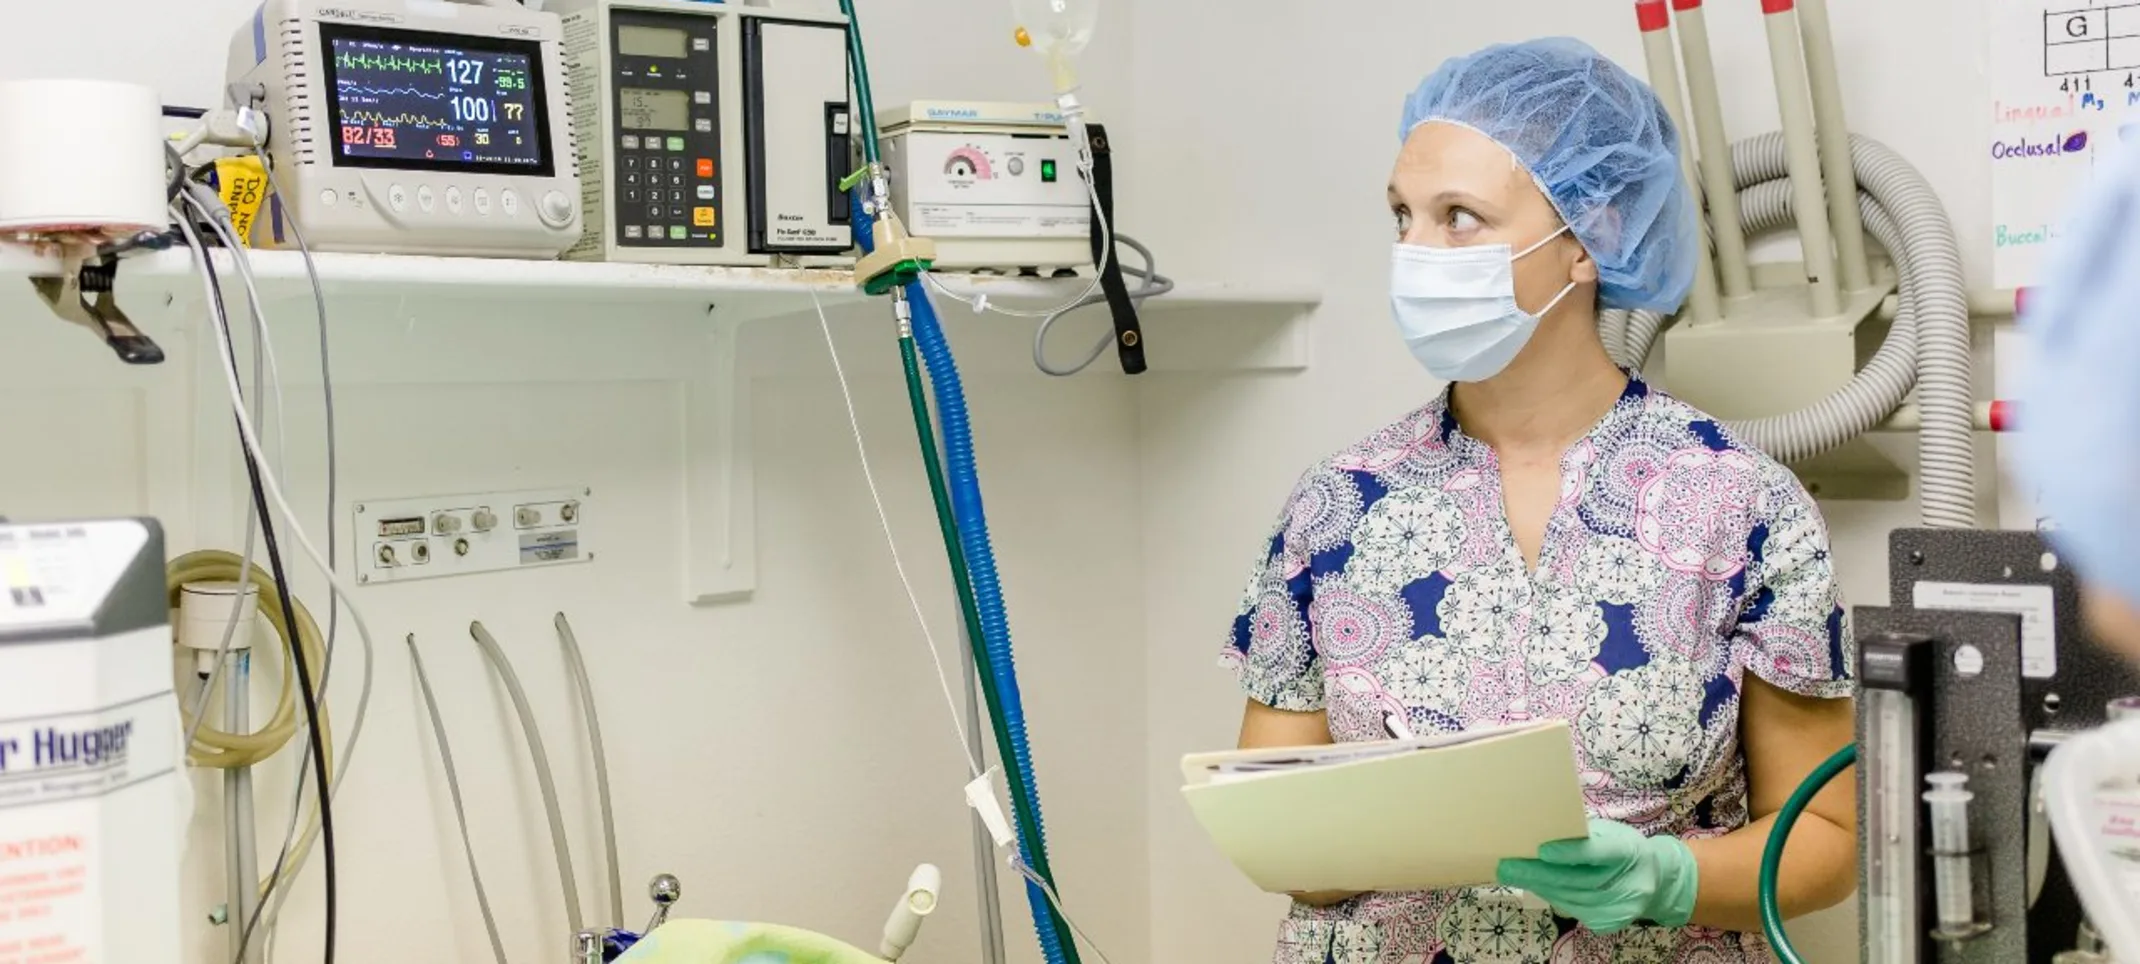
(1676, 561)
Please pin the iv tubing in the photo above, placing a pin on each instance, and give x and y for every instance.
(1702, 303)
(543, 777)
(1803, 152)
(979, 561)
(978, 589)
(1772, 855)
(576, 664)
(1734, 271)
(1834, 139)
(997, 675)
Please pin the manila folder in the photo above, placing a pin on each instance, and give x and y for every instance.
(1422, 814)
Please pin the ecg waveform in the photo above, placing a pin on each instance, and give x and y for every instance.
(363, 91)
(390, 62)
(384, 119)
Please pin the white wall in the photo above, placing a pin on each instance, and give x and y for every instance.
(1287, 118)
(790, 757)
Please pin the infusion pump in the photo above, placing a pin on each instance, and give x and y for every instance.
(406, 127)
(710, 133)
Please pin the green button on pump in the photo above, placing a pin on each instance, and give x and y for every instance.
(1047, 171)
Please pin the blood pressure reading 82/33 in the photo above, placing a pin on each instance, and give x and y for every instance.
(639, 109)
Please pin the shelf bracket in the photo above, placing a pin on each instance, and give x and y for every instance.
(720, 482)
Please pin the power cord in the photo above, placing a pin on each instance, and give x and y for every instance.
(1152, 284)
(221, 324)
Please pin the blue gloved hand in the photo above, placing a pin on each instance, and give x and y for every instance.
(1610, 879)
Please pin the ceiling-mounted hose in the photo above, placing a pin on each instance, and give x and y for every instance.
(1928, 346)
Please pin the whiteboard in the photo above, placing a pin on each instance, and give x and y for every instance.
(2065, 91)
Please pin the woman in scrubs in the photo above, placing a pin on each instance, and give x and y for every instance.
(1553, 538)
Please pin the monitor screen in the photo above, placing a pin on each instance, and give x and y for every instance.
(637, 41)
(425, 101)
(639, 109)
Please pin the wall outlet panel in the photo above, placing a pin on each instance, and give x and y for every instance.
(398, 540)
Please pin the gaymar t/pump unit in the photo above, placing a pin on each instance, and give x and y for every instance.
(994, 185)
(710, 133)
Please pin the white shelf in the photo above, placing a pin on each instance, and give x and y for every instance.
(753, 292)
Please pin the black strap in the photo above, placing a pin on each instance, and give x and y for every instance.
(1129, 335)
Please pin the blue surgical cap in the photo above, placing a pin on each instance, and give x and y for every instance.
(1599, 144)
(2079, 414)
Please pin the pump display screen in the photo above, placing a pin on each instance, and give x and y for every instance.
(639, 109)
(637, 41)
(425, 101)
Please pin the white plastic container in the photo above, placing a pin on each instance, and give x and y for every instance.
(80, 157)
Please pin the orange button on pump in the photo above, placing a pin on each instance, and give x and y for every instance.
(705, 167)
(702, 217)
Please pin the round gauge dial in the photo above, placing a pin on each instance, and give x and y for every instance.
(969, 163)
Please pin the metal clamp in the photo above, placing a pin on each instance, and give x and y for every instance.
(86, 272)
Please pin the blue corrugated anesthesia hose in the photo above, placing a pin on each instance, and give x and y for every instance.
(972, 557)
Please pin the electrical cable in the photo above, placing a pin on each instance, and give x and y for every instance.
(453, 787)
(546, 782)
(295, 850)
(1772, 854)
(1091, 294)
(260, 480)
(576, 664)
(1152, 284)
(884, 524)
(273, 488)
(319, 305)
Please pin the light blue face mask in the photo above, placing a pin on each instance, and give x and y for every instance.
(1457, 307)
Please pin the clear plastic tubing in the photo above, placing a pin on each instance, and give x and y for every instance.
(1949, 804)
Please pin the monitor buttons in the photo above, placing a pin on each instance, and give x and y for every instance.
(509, 202)
(397, 197)
(556, 209)
(705, 192)
(483, 201)
(453, 199)
(329, 199)
(426, 198)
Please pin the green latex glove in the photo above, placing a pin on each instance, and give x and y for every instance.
(1610, 879)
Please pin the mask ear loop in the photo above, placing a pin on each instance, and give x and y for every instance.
(1564, 292)
(1542, 242)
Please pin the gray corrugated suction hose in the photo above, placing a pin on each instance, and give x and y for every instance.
(1928, 345)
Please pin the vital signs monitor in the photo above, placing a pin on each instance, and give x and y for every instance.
(414, 128)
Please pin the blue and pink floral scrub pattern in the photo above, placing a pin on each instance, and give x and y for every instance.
(1675, 562)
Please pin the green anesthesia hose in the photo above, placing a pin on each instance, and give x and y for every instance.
(1772, 855)
(1021, 795)
(925, 432)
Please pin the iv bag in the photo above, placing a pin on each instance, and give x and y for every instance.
(1059, 29)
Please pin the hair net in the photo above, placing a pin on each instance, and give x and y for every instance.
(1599, 144)
(2079, 416)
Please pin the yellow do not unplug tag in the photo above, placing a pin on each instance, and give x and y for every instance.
(242, 185)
